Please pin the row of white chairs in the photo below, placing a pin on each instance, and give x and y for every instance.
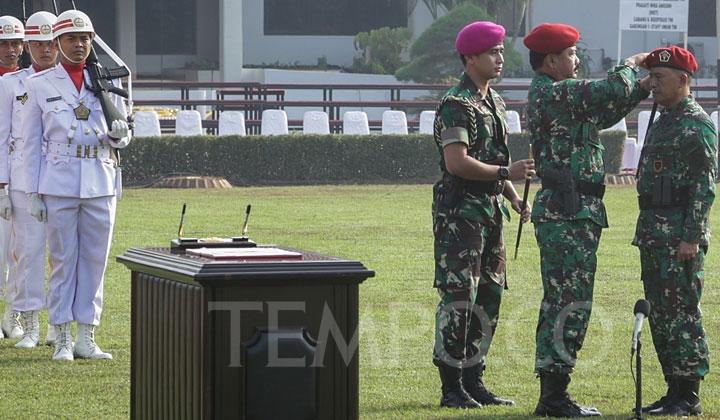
(632, 146)
(275, 122)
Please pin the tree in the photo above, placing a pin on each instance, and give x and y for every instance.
(433, 55)
(381, 50)
(492, 7)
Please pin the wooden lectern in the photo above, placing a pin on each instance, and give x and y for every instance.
(243, 339)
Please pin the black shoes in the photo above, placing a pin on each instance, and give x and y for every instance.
(685, 402)
(453, 393)
(556, 402)
(669, 396)
(473, 384)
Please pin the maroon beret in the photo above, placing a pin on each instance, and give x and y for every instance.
(675, 57)
(548, 38)
(478, 37)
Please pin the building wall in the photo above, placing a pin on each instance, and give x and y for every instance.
(305, 50)
(597, 22)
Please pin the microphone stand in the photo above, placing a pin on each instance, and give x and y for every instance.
(638, 383)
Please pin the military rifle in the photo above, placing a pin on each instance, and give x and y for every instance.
(100, 84)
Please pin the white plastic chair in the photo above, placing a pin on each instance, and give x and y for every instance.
(394, 122)
(619, 126)
(274, 123)
(643, 122)
(513, 121)
(316, 122)
(188, 123)
(630, 154)
(714, 118)
(427, 122)
(231, 123)
(147, 124)
(355, 122)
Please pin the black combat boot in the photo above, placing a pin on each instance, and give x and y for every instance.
(453, 394)
(473, 384)
(686, 401)
(669, 396)
(556, 402)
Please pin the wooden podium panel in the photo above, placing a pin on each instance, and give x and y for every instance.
(260, 339)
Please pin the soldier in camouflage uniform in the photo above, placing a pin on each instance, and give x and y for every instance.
(471, 136)
(564, 116)
(676, 190)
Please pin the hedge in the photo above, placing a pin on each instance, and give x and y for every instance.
(305, 159)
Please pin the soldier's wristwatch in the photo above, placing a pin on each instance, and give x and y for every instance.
(503, 173)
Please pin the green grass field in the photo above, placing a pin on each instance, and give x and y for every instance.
(387, 228)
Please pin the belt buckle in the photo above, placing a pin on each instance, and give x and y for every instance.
(79, 151)
(87, 151)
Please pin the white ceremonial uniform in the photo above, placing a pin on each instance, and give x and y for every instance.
(26, 266)
(5, 225)
(78, 181)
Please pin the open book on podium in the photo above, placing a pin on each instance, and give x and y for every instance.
(255, 253)
(182, 243)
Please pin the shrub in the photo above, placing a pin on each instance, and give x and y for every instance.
(613, 141)
(306, 159)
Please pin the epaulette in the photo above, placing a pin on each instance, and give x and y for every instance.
(15, 73)
(41, 73)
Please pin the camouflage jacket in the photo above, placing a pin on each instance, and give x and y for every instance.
(564, 118)
(681, 147)
(463, 116)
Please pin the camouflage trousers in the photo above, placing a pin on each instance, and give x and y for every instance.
(567, 264)
(674, 289)
(469, 276)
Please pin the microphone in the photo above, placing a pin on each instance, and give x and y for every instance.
(182, 220)
(641, 311)
(245, 224)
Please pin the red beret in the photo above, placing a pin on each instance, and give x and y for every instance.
(478, 37)
(549, 38)
(675, 57)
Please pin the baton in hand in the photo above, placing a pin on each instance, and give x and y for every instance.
(522, 208)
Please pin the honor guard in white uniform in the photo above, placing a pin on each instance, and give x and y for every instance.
(73, 186)
(26, 266)
(11, 47)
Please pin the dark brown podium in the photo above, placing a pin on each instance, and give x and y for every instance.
(234, 339)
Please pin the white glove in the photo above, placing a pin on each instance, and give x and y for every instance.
(5, 204)
(37, 207)
(119, 130)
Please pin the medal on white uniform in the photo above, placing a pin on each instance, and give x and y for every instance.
(82, 112)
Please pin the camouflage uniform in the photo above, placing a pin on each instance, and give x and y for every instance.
(676, 188)
(564, 118)
(467, 225)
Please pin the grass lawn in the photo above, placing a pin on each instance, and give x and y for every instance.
(386, 227)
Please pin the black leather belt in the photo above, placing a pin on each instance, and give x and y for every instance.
(679, 200)
(484, 187)
(583, 187)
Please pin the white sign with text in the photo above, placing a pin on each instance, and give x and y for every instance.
(657, 15)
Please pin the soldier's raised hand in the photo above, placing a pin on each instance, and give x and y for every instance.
(522, 169)
(636, 60)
